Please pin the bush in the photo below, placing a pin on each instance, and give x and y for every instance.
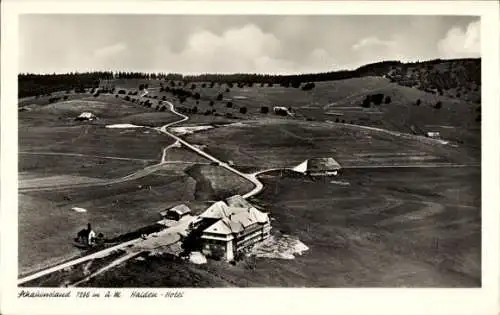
(122, 92)
(211, 103)
(229, 104)
(219, 97)
(264, 109)
(438, 105)
(116, 95)
(227, 90)
(366, 102)
(127, 98)
(418, 102)
(193, 86)
(377, 98)
(196, 96)
(65, 97)
(309, 86)
(243, 110)
(387, 100)
(194, 110)
(217, 252)
(203, 86)
(270, 85)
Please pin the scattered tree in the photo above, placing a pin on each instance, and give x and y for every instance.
(229, 104)
(377, 98)
(418, 102)
(211, 103)
(264, 109)
(243, 110)
(219, 97)
(438, 105)
(387, 99)
(122, 92)
(309, 86)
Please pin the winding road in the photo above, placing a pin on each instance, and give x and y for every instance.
(250, 177)
(253, 178)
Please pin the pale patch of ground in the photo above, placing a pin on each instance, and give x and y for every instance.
(280, 247)
(189, 130)
(122, 126)
(78, 209)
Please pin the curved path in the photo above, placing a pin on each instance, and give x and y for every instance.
(250, 177)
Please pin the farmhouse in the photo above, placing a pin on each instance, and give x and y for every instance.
(86, 116)
(231, 228)
(432, 134)
(319, 167)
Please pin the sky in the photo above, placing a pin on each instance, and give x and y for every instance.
(192, 44)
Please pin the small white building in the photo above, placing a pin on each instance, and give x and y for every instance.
(433, 134)
(86, 116)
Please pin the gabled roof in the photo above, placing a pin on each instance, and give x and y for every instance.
(216, 211)
(238, 201)
(238, 220)
(180, 209)
(322, 164)
(86, 115)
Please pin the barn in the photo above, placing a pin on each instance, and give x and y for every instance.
(319, 167)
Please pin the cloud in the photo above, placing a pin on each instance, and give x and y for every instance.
(111, 50)
(239, 49)
(372, 42)
(460, 43)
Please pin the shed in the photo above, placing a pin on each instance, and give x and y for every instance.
(175, 213)
(86, 116)
(433, 134)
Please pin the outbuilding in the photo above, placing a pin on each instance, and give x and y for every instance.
(86, 116)
(175, 213)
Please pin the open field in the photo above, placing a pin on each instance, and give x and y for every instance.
(341, 100)
(254, 145)
(113, 173)
(387, 228)
(369, 227)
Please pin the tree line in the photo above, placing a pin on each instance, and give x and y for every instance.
(38, 84)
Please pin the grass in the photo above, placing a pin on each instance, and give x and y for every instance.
(263, 144)
(388, 228)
